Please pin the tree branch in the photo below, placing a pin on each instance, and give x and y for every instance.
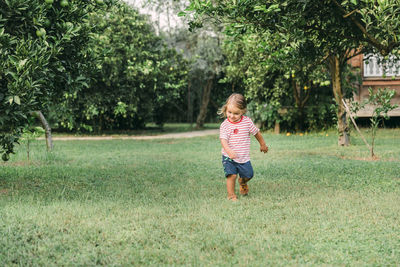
(306, 98)
(296, 94)
(351, 13)
(369, 38)
(49, 141)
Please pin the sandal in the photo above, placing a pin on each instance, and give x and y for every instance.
(244, 188)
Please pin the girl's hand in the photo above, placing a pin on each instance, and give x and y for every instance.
(260, 139)
(232, 155)
(264, 148)
(228, 150)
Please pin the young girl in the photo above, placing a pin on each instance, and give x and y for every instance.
(235, 140)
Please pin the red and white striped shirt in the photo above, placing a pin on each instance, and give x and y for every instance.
(238, 136)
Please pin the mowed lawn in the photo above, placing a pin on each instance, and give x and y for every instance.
(163, 202)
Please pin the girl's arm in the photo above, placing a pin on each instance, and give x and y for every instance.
(260, 139)
(227, 149)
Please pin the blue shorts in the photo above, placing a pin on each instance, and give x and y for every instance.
(245, 170)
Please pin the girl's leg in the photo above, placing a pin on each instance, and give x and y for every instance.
(246, 173)
(230, 186)
(243, 180)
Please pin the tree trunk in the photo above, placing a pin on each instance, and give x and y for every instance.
(299, 124)
(335, 70)
(204, 104)
(277, 128)
(301, 101)
(49, 141)
(190, 105)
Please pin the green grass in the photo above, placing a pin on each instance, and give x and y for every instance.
(163, 202)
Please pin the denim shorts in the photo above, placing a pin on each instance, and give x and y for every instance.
(245, 170)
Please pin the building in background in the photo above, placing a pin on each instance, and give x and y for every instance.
(376, 75)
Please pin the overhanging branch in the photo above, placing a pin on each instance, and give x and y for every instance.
(369, 38)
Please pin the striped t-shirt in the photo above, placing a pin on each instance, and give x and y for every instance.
(238, 136)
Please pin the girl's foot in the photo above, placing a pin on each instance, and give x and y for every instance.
(244, 188)
(232, 198)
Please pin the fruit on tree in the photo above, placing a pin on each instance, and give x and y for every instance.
(64, 3)
(5, 157)
(68, 24)
(40, 32)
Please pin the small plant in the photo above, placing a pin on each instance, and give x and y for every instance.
(380, 101)
(30, 134)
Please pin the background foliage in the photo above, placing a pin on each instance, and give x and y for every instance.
(135, 77)
(279, 87)
(88, 65)
(100, 65)
(327, 32)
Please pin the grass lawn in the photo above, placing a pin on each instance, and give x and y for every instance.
(163, 202)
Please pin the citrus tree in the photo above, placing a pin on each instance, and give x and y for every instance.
(43, 45)
(281, 86)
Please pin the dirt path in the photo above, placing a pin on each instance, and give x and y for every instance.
(140, 137)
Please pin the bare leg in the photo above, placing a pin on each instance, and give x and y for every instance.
(243, 180)
(230, 186)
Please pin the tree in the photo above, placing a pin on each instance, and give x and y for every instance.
(42, 54)
(136, 79)
(337, 29)
(278, 80)
(206, 66)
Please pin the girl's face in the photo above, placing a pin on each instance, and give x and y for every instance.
(233, 113)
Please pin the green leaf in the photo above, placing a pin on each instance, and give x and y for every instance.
(274, 7)
(14, 75)
(22, 62)
(191, 7)
(17, 100)
(259, 8)
(39, 130)
(181, 14)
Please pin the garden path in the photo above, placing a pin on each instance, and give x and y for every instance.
(141, 137)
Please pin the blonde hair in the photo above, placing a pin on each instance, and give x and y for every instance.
(237, 100)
